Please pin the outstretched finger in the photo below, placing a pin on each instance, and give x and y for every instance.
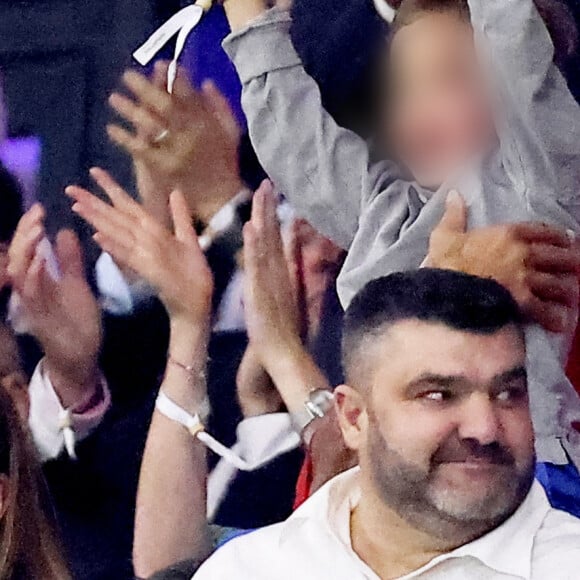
(134, 145)
(118, 196)
(149, 95)
(182, 222)
(182, 88)
(103, 217)
(22, 249)
(553, 316)
(69, 254)
(146, 124)
(455, 217)
(554, 259)
(121, 253)
(540, 233)
(159, 76)
(221, 109)
(252, 263)
(562, 289)
(38, 286)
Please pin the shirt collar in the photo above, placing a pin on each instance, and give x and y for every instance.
(507, 549)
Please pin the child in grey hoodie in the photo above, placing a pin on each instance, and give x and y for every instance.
(528, 168)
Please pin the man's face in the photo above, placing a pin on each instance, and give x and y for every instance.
(449, 439)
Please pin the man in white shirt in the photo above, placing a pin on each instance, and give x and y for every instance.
(437, 409)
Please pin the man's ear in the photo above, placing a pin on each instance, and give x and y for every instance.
(352, 415)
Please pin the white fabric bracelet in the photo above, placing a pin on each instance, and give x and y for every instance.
(65, 423)
(173, 411)
(194, 425)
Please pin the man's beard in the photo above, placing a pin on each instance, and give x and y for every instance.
(418, 495)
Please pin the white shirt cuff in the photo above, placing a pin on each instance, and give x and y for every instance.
(51, 424)
(118, 295)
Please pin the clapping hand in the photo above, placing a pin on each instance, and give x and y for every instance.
(187, 140)
(172, 263)
(62, 314)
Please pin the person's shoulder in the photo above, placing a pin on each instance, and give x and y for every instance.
(557, 547)
(248, 557)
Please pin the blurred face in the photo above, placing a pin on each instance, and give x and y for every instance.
(445, 437)
(439, 114)
(321, 261)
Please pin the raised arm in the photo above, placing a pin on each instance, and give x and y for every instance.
(68, 397)
(324, 170)
(170, 521)
(539, 121)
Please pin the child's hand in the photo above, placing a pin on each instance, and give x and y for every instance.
(538, 263)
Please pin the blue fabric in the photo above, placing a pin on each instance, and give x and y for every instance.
(229, 534)
(205, 59)
(562, 485)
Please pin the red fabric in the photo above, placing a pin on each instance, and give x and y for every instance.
(304, 483)
(573, 369)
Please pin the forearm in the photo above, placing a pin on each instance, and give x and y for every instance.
(241, 12)
(295, 375)
(257, 394)
(324, 169)
(539, 123)
(74, 387)
(170, 523)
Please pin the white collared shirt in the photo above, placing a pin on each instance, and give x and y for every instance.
(536, 543)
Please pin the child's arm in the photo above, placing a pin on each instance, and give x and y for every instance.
(540, 120)
(324, 169)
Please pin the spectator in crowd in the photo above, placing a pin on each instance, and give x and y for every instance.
(301, 368)
(395, 218)
(28, 545)
(274, 336)
(437, 409)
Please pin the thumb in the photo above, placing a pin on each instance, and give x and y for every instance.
(455, 216)
(69, 254)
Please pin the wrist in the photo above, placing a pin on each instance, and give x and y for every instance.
(241, 12)
(185, 375)
(295, 375)
(221, 194)
(73, 385)
(188, 337)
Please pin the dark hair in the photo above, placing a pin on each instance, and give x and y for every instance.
(457, 300)
(556, 14)
(10, 205)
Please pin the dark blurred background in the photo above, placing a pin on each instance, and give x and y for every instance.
(59, 60)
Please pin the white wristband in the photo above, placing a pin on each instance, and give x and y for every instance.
(173, 411)
(194, 425)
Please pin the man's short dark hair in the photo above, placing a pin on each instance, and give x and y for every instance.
(459, 301)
